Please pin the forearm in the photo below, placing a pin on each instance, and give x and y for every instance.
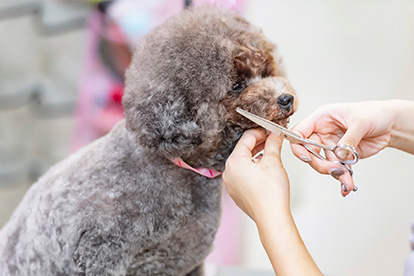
(284, 246)
(402, 133)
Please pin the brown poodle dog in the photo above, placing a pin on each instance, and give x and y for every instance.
(120, 206)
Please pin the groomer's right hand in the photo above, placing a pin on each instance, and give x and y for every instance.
(366, 126)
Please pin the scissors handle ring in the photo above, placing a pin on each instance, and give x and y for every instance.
(343, 152)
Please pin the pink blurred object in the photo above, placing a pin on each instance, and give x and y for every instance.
(228, 4)
(96, 112)
(100, 92)
(227, 250)
(136, 18)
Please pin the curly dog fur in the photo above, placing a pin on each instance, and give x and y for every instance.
(120, 206)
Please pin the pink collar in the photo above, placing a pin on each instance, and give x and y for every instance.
(210, 173)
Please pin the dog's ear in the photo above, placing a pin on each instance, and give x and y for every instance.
(254, 52)
(162, 122)
(179, 73)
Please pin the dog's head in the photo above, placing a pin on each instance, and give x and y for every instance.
(190, 74)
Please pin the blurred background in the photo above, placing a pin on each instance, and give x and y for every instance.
(61, 84)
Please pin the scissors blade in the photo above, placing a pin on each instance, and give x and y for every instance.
(273, 127)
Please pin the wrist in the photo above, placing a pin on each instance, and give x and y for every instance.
(284, 245)
(279, 217)
(402, 130)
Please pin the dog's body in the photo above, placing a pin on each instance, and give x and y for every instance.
(98, 213)
(121, 206)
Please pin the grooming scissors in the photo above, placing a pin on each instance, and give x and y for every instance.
(346, 155)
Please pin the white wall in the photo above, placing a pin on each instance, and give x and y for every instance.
(345, 51)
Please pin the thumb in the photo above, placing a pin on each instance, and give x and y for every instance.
(247, 142)
(353, 136)
(272, 147)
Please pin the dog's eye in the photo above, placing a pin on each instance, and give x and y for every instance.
(238, 87)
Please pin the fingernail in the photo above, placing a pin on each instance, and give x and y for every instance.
(343, 154)
(344, 187)
(305, 158)
(336, 172)
(355, 188)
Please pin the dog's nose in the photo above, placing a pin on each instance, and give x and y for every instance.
(285, 101)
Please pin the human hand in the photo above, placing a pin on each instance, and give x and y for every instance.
(262, 186)
(261, 189)
(366, 126)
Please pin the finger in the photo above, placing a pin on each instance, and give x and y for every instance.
(306, 152)
(307, 126)
(354, 134)
(259, 147)
(300, 152)
(306, 132)
(297, 149)
(347, 183)
(344, 177)
(323, 166)
(272, 147)
(330, 156)
(248, 142)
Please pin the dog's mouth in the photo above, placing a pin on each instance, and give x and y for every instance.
(281, 118)
(284, 123)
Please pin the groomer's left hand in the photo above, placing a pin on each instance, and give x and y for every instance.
(261, 189)
(262, 186)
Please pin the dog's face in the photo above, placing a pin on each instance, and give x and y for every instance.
(259, 84)
(272, 98)
(189, 75)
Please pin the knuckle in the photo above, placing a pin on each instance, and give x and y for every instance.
(350, 141)
(229, 164)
